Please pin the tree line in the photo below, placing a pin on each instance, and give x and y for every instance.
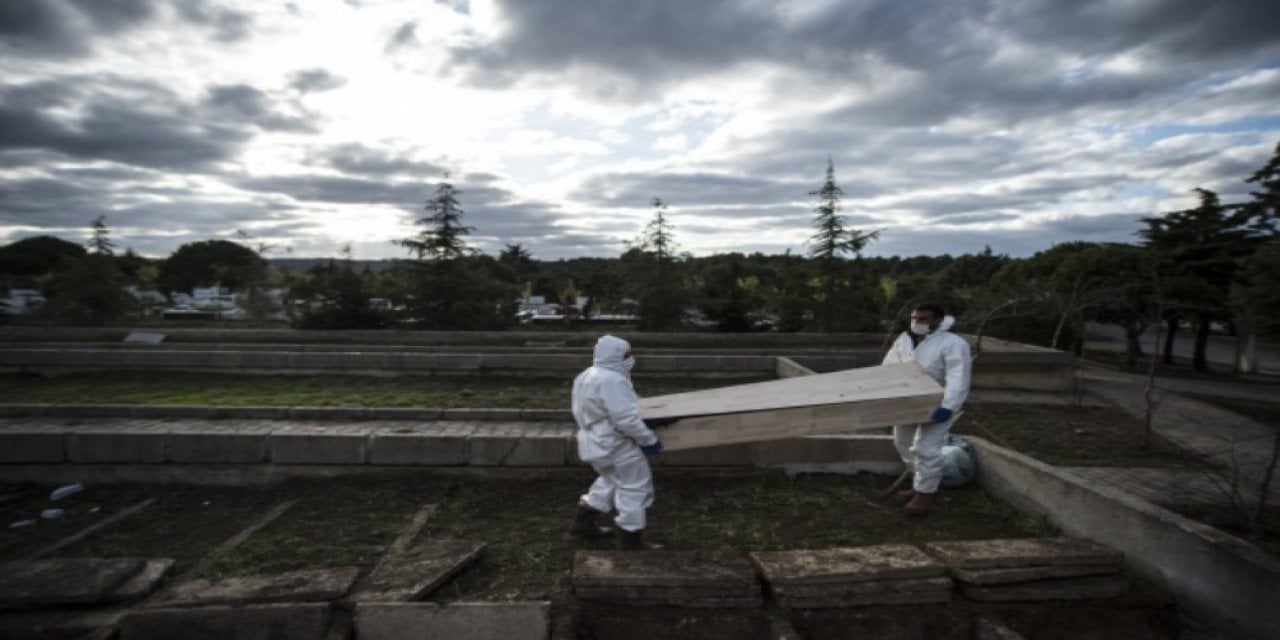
(1215, 263)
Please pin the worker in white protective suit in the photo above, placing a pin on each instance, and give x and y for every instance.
(615, 442)
(945, 357)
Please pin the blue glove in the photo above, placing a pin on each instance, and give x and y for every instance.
(941, 415)
(651, 449)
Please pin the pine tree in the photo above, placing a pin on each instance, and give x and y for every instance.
(100, 242)
(443, 235)
(829, 243)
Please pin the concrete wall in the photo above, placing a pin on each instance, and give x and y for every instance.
(1212, 574)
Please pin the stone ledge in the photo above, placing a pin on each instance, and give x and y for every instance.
(470, 620)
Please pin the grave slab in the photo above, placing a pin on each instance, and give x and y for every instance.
(700, 602)
(141, 585)
(850, 564)
(308, 585)
(41, 583)
(866, 587)
(840, 602)
(662, 568)
(1028, 574)
(297, 621)
(1022, 552)
(470, 620)
(1067, 589)
(988, 629)
(417, 572)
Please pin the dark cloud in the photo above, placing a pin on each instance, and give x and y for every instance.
(315, 81)
(243, 103)
(146, 126)
(405, 37)
(39, 28)
(114, 15)
(227, 25)
(336, 189)
(359, 159)
(642, 43)
(639, 189)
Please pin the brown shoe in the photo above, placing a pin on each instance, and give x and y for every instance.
(919, 505)
(904, 496)
(634, 541)
(584, 524)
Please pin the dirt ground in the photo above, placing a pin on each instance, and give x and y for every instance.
(352, 521)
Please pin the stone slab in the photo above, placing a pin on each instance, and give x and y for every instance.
(296, 621)
(42, 583)
(417, 572)
(699, 602)
(840, 602)
(661, 568)
(1090, 588)
(469, 620)
(392, 448)
(866, 587)
(1022, 552)
(523, 445)
(743, 591)
(36, 445)
(1028, 574)
(308, 585)
(118, 445)
(217, 447)
(850, 564)
(141, 585)
(988, 629)
(319, 446)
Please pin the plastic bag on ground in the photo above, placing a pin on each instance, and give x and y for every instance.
(958, 464)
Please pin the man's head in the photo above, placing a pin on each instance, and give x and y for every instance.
(611, 352)
(925, 318)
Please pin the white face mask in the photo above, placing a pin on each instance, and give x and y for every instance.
(628, 364)
(920, 328)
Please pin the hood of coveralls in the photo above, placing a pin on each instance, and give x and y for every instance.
(609, 353)
(947, 323)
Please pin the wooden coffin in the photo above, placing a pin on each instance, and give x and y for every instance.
(862, 398)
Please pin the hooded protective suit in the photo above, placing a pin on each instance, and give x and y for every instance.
(945, 357)
(610, 433)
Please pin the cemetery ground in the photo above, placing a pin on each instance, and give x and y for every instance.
(521, 516)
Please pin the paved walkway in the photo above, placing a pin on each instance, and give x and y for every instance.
(1239, 449)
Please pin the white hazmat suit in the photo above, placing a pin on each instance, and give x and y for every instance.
(945, 357)
(610, 433)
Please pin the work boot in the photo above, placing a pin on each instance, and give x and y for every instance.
(904, 496)
(634, 541)
(919, 505)
(584, 524)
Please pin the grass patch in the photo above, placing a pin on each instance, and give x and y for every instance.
(177, 388)
(184, 523)
(529, 553)
(350, 522)
(1073, 436)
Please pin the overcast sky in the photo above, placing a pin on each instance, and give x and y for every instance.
(314, 124)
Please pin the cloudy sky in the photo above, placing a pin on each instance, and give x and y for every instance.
(315, 124)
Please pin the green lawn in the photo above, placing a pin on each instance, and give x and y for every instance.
(172, 388)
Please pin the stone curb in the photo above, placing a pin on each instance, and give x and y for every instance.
(214, 412)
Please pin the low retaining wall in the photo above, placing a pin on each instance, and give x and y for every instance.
(1214, 575)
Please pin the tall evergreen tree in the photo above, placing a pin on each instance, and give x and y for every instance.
(443, 235)
(1201, 250)
(656, 273)
(829, 243)
(100, 241)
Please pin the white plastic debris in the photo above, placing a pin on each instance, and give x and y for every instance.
(68, 490)
(50, 514)
(95, 510)
(21, 523)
